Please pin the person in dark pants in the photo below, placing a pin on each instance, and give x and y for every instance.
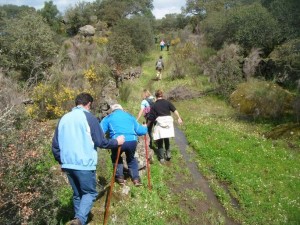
(74, 146)
(160, 113)
(168, 45)
(118, 123)
(148, 100)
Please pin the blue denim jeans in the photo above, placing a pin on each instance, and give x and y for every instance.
(83, 183)
(129, 147)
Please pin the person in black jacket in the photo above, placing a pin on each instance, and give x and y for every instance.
(160, 114)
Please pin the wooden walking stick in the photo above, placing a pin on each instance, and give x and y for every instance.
(111, 186)
(148, 165)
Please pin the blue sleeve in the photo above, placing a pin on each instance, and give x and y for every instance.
(55, 146)
(98, 135)
(139, 129)
(104, 125)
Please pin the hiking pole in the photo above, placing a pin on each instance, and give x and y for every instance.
(147, 161)
(111, 186)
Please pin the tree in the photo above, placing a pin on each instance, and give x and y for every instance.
(248, 25)
(173, 22)
(78, 16)
(287, 14)
(111, 11)
(139, 30)
(27, 45)
(51, 14)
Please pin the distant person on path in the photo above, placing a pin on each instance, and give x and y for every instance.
(168, 45)
(155, 39)
(159, 66)
(147, 102)
(164, 128)
(162, 45)
(74, 146)
(119, 123)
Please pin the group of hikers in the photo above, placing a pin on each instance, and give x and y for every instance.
(162, 44)
(79, 133)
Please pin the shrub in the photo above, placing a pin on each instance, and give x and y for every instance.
(287, 63)
(262, 99)
(125, 91)
(50, 103)
(121, 50)
(28, 181)
(225, 69)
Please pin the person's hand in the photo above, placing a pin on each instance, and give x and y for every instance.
(180, 121)
(121, 139)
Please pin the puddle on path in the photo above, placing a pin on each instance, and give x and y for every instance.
(198, 179)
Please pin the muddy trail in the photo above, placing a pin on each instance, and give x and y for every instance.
(204, 210)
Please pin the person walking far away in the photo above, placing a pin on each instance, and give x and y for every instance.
(74, 146)
(118, 123)
(159, 66)
(147, 102)
(162, 45)
(168, 45)
(160, 113)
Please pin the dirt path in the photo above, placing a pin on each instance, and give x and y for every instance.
(208, 209)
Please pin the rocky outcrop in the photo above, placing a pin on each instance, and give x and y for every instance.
(87, 30)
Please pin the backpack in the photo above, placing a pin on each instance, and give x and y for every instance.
(148, 108)
(159, 64)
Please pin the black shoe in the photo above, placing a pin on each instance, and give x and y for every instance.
(120, 180)
(168, 155)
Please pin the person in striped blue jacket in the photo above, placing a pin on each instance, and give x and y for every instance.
(74, 146)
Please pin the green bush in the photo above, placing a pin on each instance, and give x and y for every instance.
(125, 91)
(262, 99)
(225, 69)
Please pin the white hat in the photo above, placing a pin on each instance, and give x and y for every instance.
(115, 106)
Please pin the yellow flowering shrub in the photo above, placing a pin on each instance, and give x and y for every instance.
(175, 41)
(50, 103)
(101, 40)
(91, 75)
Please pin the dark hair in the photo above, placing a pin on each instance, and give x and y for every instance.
(83, 99)
(158, 93)
(160, 57)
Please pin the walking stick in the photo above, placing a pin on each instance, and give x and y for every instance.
(111, 186)
(148, 165)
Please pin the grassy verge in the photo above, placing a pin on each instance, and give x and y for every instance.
(262, 176)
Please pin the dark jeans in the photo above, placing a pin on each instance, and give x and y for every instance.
(129, 147)
(83, 183)
(150, 133)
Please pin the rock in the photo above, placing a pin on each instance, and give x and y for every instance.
(87, 30)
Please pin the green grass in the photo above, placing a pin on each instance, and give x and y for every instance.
(262, 175)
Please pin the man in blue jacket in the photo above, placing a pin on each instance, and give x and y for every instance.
(74, 146)
(119, 123)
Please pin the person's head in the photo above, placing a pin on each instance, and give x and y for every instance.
(146, 93)
(160, 57)
(159, 93)
(84, 99)
(115, 107)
